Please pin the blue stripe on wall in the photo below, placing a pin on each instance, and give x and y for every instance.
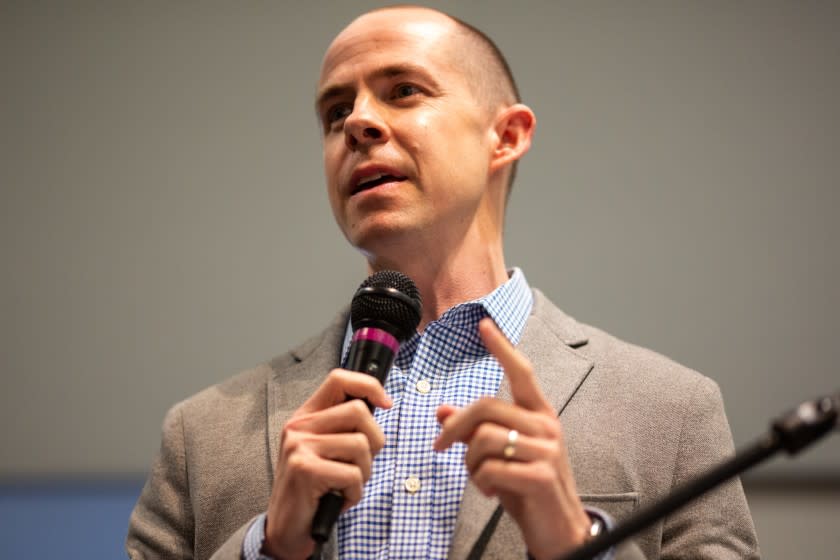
(66, 519)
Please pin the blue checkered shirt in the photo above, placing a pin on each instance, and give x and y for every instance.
(411, 501)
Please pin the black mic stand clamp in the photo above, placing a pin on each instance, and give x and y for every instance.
(791, 432)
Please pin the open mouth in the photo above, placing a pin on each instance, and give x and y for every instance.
(375, 180)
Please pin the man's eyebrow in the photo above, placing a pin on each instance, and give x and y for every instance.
(390, 71)
(330, 93)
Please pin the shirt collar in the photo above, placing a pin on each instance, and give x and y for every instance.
(509, 306)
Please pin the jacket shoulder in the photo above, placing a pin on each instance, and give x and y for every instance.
(616, 361)
(622, 360)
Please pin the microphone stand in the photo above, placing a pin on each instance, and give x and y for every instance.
(791, 432)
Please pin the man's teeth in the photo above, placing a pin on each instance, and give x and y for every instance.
(372, 178)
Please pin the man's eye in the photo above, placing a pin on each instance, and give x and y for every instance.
(338, 112)
(405, 90)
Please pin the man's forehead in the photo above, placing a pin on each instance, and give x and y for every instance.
(381, 31)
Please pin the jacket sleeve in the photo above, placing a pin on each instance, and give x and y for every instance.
(162, 523)
(232, 548)
(717, 525)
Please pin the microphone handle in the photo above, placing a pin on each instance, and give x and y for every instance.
(329, 508)
(372, 351)
(371, 356)
(791, 432)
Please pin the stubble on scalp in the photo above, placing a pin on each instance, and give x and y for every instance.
(486, 67)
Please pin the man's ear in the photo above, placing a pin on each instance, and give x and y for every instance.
(514, 127)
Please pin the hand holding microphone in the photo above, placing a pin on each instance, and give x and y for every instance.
(328, 444)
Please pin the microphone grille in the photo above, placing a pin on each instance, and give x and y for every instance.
(388, 300)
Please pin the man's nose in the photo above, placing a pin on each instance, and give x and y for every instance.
(365, 125)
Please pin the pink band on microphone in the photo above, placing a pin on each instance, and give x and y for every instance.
(377, 335)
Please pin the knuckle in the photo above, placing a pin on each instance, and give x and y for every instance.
(367, 471)
(361, 441)
(289, 439)
(296, 464)
(376, 445)
(290, 425)
(543, 474)
(550, 426)
(486, 473)
(483, 434)
(357, 479)
(336, 377)
(479, 475)
(558, 435)
(354, 491)
(552, 453)
(286, 431)
(359, 407)
(298, 420)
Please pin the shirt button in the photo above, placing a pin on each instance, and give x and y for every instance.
(412, 484)
(423, 386)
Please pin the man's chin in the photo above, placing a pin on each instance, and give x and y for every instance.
(383, 240)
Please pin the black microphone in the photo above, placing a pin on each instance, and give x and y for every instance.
(384, 313)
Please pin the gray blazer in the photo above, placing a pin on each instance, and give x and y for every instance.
(636, 424)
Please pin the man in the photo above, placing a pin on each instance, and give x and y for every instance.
(422, 128)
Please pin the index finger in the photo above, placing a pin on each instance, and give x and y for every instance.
(518, 369)
(341, 385)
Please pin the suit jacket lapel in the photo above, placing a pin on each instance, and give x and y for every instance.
(548, 341)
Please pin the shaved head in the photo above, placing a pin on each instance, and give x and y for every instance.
(481, 60)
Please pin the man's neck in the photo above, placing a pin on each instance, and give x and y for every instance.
(446, 278)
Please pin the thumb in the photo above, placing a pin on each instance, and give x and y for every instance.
(444, 411)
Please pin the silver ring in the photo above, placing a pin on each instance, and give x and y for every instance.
(510, 447)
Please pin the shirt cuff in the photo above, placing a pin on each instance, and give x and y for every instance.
(254, 539)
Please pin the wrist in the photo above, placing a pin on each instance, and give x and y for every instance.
(275, 550)
(593, 523)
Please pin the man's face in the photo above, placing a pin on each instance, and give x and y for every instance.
(406, 144)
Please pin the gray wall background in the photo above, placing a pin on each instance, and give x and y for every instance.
(164, 220)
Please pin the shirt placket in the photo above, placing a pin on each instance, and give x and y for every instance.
(413, 483)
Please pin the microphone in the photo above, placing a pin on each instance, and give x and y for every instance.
(807, 422)
(384, 313)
